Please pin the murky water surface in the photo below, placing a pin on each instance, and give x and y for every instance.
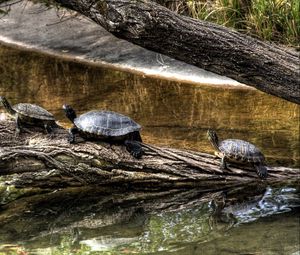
(172, 114)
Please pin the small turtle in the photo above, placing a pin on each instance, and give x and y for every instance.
(107, 126)
(238, 151)
(29, 114)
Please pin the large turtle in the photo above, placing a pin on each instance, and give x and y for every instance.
(29, 114)
(238, 151)
(107, 126)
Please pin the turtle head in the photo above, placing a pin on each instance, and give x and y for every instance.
(213, 138)
(70, 113)
(7, 105)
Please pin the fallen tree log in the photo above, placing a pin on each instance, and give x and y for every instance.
(265, 66)
(35, 159)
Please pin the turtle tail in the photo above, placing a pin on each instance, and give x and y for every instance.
(261, 170)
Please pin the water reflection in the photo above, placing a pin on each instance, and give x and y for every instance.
(273, 201)
(88, 221)
(172, 113)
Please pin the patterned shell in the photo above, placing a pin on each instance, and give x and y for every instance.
(106, 123)
(240, 150)
(33, 111)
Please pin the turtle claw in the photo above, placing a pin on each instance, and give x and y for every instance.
(262, 176)
(72, 132)
(261, 170)
(223, 164)
(137, 154)
(48, 129)
(134, 148)
(71, 140)
(17, 133)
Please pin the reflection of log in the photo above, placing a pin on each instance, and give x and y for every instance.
(93, 212)
(39, 160)
(68, 209)
(214, 48)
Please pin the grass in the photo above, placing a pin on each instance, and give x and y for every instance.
(276, 20)
(271, 20)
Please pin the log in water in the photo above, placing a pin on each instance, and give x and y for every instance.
(35, 159)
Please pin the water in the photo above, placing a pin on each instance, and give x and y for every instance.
(80, 221)
(95, 222)
(171, 113)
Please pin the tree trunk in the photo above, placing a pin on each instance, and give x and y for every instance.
(262, 65)
(49, 161)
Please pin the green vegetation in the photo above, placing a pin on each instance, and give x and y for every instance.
(271, 20)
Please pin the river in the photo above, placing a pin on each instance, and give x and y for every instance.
(172, 113)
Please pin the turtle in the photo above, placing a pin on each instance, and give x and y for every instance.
(107, 126)
(238, 151)
(29, 115)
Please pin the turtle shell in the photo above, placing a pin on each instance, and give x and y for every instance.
(241, 151)
(106, 123)
(33, 111)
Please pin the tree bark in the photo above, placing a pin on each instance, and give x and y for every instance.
(262, 65)
(35, 159)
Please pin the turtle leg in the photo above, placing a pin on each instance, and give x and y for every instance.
(135, 136)
(72, 133)
(48, 128)
(133, 144)
(134, 148)
(18, 126)
(223, 163)
(261, 170)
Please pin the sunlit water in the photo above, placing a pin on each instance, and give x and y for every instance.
(172, 114)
